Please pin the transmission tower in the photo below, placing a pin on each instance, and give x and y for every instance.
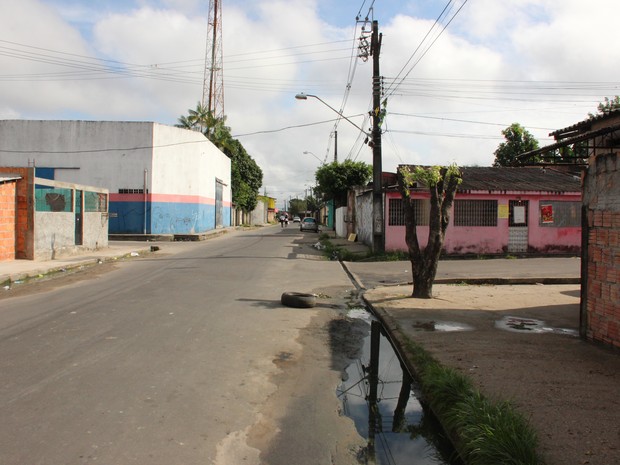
(213, 82)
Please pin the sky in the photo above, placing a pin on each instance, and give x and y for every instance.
(455, 73)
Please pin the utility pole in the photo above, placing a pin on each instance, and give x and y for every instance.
(335, 146)
(378, 242)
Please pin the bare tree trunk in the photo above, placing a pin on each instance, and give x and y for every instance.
(424, 262)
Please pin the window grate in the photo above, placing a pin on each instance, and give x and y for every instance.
(397, 213)
(132, 191)
(560, 214)
(475, 213)
(95, 202)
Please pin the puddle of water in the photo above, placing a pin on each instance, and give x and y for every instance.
(398, 430)
(531, 325)
(441, 326)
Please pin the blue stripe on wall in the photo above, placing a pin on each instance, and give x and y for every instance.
(164, 218)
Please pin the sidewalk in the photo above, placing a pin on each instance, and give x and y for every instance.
(517, 342)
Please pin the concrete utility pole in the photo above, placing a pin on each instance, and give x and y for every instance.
(335, 146)
(378, 242)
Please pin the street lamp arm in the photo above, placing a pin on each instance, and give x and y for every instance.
(310, 153)
(302, 96)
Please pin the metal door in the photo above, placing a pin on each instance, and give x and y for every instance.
(79, 230)
(517, 226)
(219, 204)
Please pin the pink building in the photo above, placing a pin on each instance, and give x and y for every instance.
(499, 210)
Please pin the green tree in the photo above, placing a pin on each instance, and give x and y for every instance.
(518, 141)
(313, 203)
(442, 183)
(296, 207)
(335, 179)
(607, 106)
(246, 176)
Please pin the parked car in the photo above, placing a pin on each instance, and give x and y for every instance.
(309, 224)
(296, 219)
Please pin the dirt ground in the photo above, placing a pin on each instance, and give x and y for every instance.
(568, 388)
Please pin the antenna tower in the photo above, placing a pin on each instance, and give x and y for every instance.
(213, 82)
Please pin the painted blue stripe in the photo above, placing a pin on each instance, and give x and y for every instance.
(164, 218)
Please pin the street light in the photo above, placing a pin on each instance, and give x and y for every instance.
(302, 96)
(310, 153)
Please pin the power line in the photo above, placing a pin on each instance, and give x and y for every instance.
(391, 90)
(440, 118)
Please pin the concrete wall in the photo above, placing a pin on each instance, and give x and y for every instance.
(495, 239)
(601, 257)
(177, 168)
(259, 215)
(363, 217)
(55, 232)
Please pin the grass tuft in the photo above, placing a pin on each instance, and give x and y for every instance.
(483, 432)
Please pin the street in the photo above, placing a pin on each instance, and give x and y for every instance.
(185, 358)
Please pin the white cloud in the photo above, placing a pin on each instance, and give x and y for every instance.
(484, 71)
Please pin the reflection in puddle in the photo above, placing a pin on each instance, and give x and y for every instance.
(440, 326)
(377, 394)
(513, 323)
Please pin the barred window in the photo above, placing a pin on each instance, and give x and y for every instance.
(397, 213)
(475, 213)
(132, 191)
(53, 199)
(560, 214)
(95, 202)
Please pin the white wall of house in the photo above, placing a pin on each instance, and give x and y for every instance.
(186, 163)
(98, 153)
(162, 179)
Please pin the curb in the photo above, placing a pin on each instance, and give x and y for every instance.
(32, 274)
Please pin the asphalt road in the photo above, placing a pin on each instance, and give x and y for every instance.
(186, 358)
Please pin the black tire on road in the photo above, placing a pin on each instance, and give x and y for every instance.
(298, 300)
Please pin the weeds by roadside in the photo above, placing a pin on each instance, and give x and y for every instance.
(483, 432)
(337, 252)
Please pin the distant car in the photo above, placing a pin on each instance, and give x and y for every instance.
(296, 219)
(309, 224)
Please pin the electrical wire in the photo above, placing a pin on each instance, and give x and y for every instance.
(446, 9)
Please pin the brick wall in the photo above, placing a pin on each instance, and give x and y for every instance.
(24, 216)
(7, 220)
(601, 293)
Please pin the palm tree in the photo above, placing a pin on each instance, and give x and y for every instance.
(200, 117)
(185, 122)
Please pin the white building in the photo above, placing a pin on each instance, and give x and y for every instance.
(161, 179)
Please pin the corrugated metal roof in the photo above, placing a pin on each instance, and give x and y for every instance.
(584, 125)
(523, 178)
(9, 177)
